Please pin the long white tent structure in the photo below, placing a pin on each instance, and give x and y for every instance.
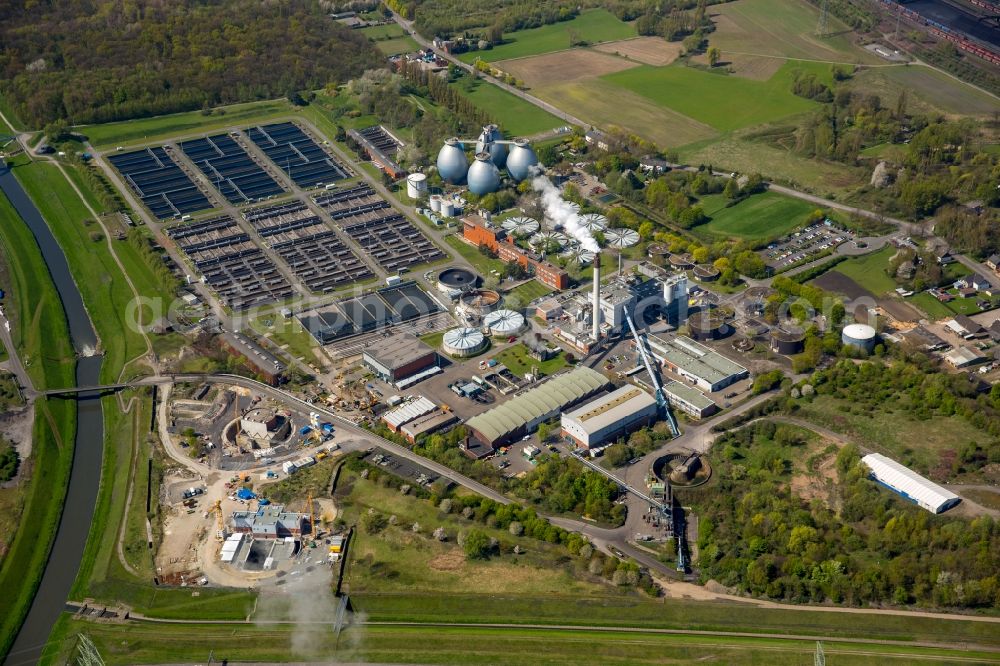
(904, 481)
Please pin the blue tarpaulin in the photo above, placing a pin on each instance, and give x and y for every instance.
(245, 494)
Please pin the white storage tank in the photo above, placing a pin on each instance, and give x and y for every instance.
(416, 186)
(504, 322)
(861, 336)
(436, 203)
(447, 207)
(462, 342)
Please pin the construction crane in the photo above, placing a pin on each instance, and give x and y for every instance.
(661, 399)
(312, 517)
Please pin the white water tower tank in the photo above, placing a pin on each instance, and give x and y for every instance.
(416, 186)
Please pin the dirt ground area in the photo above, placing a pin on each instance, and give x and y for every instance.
(900, 311)
(16, 426)
(817, 483)
(840, 283)
(563, 67)
(647, 50)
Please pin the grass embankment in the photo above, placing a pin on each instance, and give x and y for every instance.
(523, 294)
(142, 130)
(757, 218)
(516, 117)
(482, 263)
(597, 25)
(148, 643)
(40, 332)
(869, 270)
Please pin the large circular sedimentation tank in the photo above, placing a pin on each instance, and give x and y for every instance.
(521, 226)
(479, 302)
(504, 322)
(548, 238)
(486, 143)
(787, 342)
(483, 176)
(682, 261)
(861, 336)
(594, 222)
(451, 161)
(463, 342)
(656, 250)
(621, 237)
(456, 280)
(706, 272)
(520, 160)
(578, 254)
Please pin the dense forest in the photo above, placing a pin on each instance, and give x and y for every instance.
(860, 544)
(91, 61)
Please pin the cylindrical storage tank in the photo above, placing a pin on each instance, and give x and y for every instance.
(707, 327)
(416, 186)
(706, 272)
(483, 176)
(486, 143)
(787, 342)
(479, 302)
(436, 203)
(860, 336)
(456, 280)
(463, 342)
(504, 322)
(521, 159)
(447, 207)
(451, 162)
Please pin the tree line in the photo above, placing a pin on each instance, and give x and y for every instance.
(94, 61)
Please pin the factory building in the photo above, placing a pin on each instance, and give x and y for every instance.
(522, 414)
(705, 368)
(610, 416)
(408, 412)
(265, 425)
(427, 424)
(400, 359)
(689, 400)
(908, 484)
(269, 522)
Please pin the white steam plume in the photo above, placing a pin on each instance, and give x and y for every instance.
(561, 212)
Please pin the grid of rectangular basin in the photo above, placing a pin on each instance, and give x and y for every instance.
(388, 237)
(383, 308)
(160, 182)
(301, 158)
(315, 254)
(238, 270)
(235, 174)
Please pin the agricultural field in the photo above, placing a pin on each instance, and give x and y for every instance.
(390, 39)
(646, 50)
(757, 218)
(596, 25)
(928, 90)
(748, 28)
(726, 103)
(563, 67)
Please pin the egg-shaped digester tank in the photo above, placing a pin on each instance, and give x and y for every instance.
(521, 159)
(486, 143)
(484, 177)
(451, 162)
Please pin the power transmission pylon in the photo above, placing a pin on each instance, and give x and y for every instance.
(819, 659)
(821, 25)
(87, 654)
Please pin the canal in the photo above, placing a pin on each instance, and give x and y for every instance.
(85, 478)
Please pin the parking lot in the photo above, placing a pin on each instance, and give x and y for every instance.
(804, 245)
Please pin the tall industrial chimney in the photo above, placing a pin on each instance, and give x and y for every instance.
(596, 314)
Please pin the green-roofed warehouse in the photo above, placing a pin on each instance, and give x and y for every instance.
(522, 414)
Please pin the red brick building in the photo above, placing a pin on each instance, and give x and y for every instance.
(479, 232)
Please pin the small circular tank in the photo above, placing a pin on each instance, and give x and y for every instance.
(484, 177)
(451, 161)
(416, 185)
(787, 342)
(520, 160)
